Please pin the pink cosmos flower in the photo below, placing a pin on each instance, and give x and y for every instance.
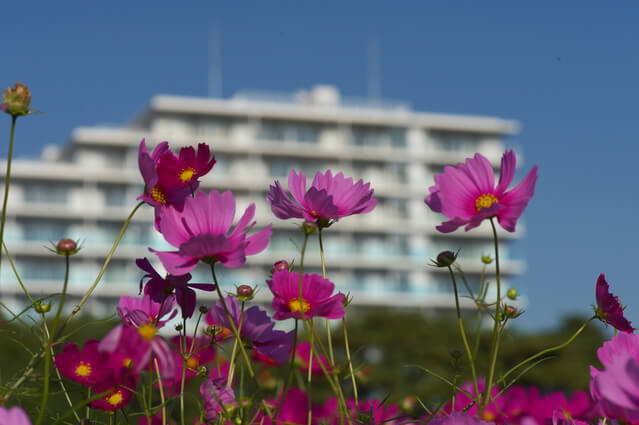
(615, 389)
(13, 416)
(217, 398)
(467, 195)
(185, 169)
(294, 410)
(201, 233)
(120, 387)
(156, 194)
(87, 367)
(302, 356)
(316, 298)
(458, 419)
(146, 312)
(328, 199)
(609, 309)
(158, 287)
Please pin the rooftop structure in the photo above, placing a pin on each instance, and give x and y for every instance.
(85, 191)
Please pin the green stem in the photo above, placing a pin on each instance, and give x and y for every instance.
(157, 371)
(233, 326)
(494, 349)
(328, 324)
(302, 253)
(350, 365)
(234, 352)
(17, 275)
(45, 389)
(64, 294)
(7, 179)
(546, 351)
(471, 361)
(84, 299)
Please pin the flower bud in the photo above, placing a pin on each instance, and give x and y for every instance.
(279, 266)
(204, 309)
(210, 330)
(408, 403)
(511, 312)
(486, 259)
(202, 371)
(16, 100)
(41, 307)
(178, 327)
(245, 402)
(244, 293)
(445, 259)
(512, 293)
(66, 247)
(309, 228)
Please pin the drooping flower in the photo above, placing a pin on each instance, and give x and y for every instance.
(217, 398)
(328, 199)
(158, 287)
(316, 299)
(609, 309)
(256, 327)
(13, 416)
(615, 389)
(467, 195)
(185, 169)
(87, 367)
(119, 387)
(201, 233)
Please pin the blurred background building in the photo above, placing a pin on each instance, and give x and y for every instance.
(86, 189)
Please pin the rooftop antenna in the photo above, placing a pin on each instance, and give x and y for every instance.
(215, 62)
(374, 66)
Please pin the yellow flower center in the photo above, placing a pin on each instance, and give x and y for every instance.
(83, 369)
(147, 331)
(192, 363)
(158, 195)
(187, 174)
(115, 399)
(127, 362)
(295, 305)
(488, 416)
(485, 201)
(314, 213)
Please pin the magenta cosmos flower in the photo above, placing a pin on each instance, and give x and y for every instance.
(119, 389)
(467, 195)
(13, 416)
(609, 309)
(87, 367)
(316, 299)
(615, 389)
(156, 194)
(328, 199)
(201, 233)
(186, 168)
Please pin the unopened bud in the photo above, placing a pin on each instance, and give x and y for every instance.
(202, 371)
(41, 307)
(178, 327)
(67, 247)
(204, 309)
(309, 228)
(445, 259)
(244, 293)
(512, 293)
(16, 100)
(210, 330)
(408, 403)
(245, 402)
(279, 266)
(511, 312)
(486, 259)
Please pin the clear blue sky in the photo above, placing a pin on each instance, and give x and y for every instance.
(568, 74)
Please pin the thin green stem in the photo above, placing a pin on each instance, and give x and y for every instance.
(7, 179)
(460, 322)
(350, 365)
(17, 275)
(546, 351)
(45, 388)
(302, 253)
(86, 296)
(494, 349)
(328, 324)
(234, 352)
(157, 371)
(236, 333)
(64, 294)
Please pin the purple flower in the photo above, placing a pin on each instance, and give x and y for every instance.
(316, 298)
(146, 312)
(201, 233)
(256, 327)
(87, 367)
(158, 288)
(13, 416)
(467, 195)
(185, 169)
(458, 419)
(609, 309)
(615, 389)
(217, 398)
(329, 198)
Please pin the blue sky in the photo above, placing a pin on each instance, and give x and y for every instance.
(568, 74)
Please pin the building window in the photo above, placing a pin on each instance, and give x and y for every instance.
(47, 193)
(44, 230)
(114, 195)
(378, 136)
(288, 132)
(455, 141)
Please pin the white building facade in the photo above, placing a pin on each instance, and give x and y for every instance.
(86, 190)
